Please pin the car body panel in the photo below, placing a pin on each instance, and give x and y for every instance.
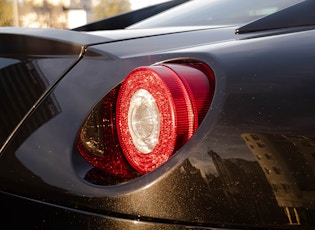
(33, 61)
(217, 170)
(249, 165)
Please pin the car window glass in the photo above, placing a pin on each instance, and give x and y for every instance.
(217, 12)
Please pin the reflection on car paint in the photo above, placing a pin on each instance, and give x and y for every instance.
(22, 84)
(288, 163)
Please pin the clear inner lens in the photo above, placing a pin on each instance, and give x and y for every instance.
(144, 121)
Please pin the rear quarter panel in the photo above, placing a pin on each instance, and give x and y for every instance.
(250, 164)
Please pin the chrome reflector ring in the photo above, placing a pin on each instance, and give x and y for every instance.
(144, 121)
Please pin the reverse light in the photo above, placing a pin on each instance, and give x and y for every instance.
(144, 121)
(140, 124)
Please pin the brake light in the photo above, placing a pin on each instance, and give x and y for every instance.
(141, 123)
(98, 141)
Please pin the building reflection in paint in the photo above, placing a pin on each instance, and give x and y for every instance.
(22, 83)
(288, 163)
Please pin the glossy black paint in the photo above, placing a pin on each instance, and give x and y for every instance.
(26, 74)
(48, 216)
(31, 64)
(250, 164)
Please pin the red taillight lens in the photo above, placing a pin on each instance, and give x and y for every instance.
(157, 112)
(98, 141)
(139, 125)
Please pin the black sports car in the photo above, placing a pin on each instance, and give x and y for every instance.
(199, 117)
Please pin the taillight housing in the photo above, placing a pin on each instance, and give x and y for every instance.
(141, 123)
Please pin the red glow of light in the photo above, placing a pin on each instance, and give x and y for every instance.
(182, 92)
(109, 157)
(175, 89)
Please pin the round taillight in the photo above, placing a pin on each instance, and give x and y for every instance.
(140, 123)
(158, 109)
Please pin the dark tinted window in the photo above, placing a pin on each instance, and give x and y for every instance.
(215, 12)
